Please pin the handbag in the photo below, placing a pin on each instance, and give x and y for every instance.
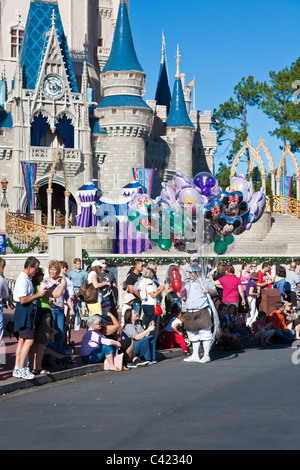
(118, 362)
(243, 308)
(157, 310)
(88, 293)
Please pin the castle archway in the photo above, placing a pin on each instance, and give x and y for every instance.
(254, 156)
(58, 199)
(261, 145)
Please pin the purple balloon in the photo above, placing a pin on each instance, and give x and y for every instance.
(205, 191)
(240, 183)
(204, 180)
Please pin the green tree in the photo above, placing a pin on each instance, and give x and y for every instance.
(231, 120)
(279, 101)
(223, 176)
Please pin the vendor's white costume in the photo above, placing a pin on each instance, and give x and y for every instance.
(200, 316)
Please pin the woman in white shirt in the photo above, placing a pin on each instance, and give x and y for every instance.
(149, 293)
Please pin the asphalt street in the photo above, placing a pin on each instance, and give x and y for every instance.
(244, 400)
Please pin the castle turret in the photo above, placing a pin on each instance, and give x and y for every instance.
(179, 131)
(122, 112)
(163, 94)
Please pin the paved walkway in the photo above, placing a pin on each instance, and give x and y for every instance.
(75, 368)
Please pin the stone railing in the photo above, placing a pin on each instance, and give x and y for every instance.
(284, 205)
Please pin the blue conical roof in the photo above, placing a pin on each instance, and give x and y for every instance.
(163, 94)
(178, 115)
(39, 22)
(122, 55)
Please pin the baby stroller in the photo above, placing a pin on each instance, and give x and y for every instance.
(51, 354)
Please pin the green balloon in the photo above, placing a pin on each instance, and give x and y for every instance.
(177, 222)
(133, 215)
(229, 239)
(220, 247)
(164, 243)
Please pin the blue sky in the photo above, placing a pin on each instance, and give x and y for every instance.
(220, 42)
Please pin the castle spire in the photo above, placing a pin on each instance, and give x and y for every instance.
(123, 55)
(163, 94)
(163, 48)
(178, 115)
(177, 63)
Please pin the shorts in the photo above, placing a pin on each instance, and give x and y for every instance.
(94, 309)
(42, 333)
(26, 333)
(200, 335)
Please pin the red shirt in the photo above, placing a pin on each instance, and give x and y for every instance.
(230, 285)
(262, 278)
(277, 319)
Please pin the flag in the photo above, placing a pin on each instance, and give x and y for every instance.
(145, 179)
(2, 93)
(192, 83)
(29, 174)
(288, 186)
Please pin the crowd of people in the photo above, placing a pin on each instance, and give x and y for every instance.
(218, 306)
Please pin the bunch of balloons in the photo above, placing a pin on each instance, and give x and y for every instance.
(176, 278)
(191, 213)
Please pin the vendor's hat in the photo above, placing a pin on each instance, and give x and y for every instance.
(193, 268)
(128, 298)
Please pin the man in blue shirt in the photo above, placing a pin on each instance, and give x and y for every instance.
(198, 318)
(77, 275)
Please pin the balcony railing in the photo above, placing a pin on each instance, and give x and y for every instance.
(23, 232)
(284, 205)
(48, 154)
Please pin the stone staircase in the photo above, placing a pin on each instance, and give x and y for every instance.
(283, 239)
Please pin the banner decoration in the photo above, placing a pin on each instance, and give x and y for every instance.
(288, 186)
(145, 180)
(29, 174)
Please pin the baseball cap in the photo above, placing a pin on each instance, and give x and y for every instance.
(98, 263)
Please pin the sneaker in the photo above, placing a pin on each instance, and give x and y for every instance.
(130, 365)
(191, 359)
(140, 363)
(26, 374)
(152, 362)
(205, 359)
(16, 373)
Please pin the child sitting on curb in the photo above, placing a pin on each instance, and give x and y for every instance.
(172, 334)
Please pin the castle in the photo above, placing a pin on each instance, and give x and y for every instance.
(71, 81)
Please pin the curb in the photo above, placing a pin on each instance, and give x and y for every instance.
(21, 384)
